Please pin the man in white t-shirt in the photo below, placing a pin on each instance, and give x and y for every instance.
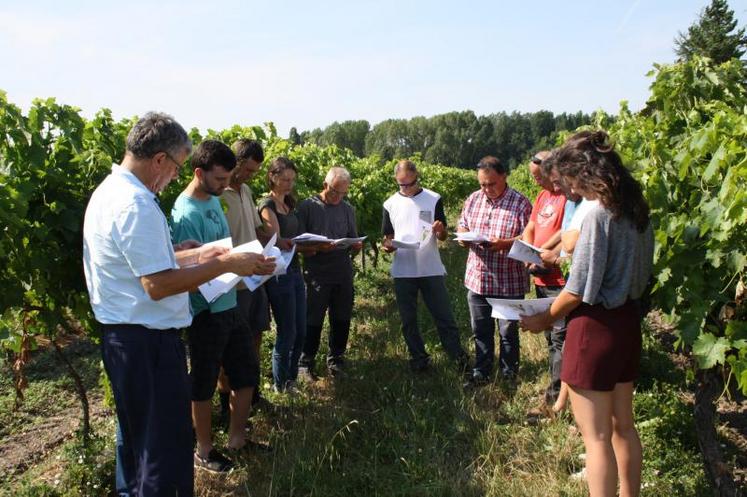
(415, 215)
(138, 283)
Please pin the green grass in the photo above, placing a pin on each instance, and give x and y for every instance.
(382, 431)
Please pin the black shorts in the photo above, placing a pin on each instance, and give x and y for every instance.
(254, 309)
(220, 339)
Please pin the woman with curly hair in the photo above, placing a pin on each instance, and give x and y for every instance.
(611, 267)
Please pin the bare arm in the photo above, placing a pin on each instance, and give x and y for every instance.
(561, 307)
(174, 281)
(528, 235)
(569, 239)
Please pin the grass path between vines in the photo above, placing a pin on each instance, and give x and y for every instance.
(382, 431)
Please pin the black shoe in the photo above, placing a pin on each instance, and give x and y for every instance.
(215, 462)
(336, 369)
(420, 365)
(475, 381)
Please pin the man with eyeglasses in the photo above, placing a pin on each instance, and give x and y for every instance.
(543, 231)
(328, 272)
(500, 214)
(138, 283)
(416, 214)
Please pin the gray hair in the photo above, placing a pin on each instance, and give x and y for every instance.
(406, 165)
(337, 172)
(157, 132)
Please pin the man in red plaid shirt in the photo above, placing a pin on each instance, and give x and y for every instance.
(500, 214)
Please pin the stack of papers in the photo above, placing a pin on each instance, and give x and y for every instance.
(225, 282)
(471, 236)
(513, 309)
(525, 252)
(309, 238)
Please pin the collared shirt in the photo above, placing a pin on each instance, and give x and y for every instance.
(492, 272)
(126, 236)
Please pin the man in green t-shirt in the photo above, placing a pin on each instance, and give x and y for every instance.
(218, 335)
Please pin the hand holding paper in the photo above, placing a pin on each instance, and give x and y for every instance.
(525, 252)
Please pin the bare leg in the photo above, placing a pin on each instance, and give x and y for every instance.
(593, 413)
(625, 440)
(201, 417)
(241, 403)
(562, 399)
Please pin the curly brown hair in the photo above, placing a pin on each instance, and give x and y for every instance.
(590, 158)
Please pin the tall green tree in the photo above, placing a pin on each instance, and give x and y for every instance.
(713, 35)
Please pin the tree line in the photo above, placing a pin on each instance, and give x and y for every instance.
(457, 139)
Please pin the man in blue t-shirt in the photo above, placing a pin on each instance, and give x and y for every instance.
(218, 335)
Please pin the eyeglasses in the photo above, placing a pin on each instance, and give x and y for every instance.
(337, 192)
(536, 160)
(408, 185)
(176, 162)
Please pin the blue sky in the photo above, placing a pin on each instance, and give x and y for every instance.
(307, 64)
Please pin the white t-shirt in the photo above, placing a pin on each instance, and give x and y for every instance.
(126, 236)
(580, 214)
(408, 216)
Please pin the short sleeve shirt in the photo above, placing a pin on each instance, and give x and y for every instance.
(204, 221)
(492, 272)
(126, 236)
(333, 221)
(547, 215)
(242, 217)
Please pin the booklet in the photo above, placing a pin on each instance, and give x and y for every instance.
(513, 309)
(222, 284)
(470, 236)
(525, 252)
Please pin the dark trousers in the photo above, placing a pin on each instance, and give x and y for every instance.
(483, 329)
(555, 339)
(436, 298)
(148, 373)
(321, 296)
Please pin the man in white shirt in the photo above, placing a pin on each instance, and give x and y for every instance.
(416, 215)
(137, 283)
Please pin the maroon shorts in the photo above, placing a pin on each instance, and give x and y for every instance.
(602, 346)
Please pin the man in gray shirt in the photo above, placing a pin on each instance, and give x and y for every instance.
(328, 272)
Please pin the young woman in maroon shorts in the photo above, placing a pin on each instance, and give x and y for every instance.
(610, 270)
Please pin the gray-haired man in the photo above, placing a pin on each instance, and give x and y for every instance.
(138, 284)
(329, 272)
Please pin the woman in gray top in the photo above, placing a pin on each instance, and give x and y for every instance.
(611, 267)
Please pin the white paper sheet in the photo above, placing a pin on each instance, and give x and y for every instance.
(513, 309)
(282, 261)
(225, 282)
(524, 252)
(470, 236)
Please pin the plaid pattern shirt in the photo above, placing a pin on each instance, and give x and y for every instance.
(489, 272)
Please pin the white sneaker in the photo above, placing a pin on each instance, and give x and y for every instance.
(580, 475)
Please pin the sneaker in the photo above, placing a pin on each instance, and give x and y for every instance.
(306, 374)
(475, 381)
(215, 462)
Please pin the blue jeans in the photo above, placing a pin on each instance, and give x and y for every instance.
(287, 296)
(555, 339)
(436, 298)
(483, 329)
